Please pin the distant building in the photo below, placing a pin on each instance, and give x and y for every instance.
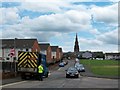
(109, 56)
(90, 55)
(98, 55)
(87, 55)
(76, 46)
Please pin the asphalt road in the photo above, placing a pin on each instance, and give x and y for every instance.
(57, 79)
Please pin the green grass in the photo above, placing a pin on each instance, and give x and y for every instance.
(102, 67)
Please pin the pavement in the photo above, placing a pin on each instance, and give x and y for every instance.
(10, 80)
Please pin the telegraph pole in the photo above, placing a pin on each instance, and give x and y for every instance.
(15, 56)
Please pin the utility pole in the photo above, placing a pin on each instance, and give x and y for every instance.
(15, 56)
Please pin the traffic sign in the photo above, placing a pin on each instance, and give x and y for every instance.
(12, 52)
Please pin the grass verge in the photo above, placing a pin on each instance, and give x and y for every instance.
(103, 67)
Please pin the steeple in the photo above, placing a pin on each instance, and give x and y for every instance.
(76, 46)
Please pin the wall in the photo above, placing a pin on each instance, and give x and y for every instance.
(57, 54)
(35, 47)
(49, 59)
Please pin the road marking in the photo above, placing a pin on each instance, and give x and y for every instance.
(102, 78)
(12, 84)
(49, 74)
(59, 69)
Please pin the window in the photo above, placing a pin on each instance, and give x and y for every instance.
(7, 58)
(27, 50)
(21, 49)
(14, 58)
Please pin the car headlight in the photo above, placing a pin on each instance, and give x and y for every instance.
(83, 68)
(67, 72)
(76, 73)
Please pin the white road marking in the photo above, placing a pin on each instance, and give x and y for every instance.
(49, 74)
(12, 84)
(102, 78)
(59, 69)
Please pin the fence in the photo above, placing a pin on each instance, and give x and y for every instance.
(9, 66)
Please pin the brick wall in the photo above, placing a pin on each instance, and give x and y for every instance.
(35, 47)
(57, 54)
(48, 57)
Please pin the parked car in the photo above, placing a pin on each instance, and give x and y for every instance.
(72, 72)
(80, 67)
(61, 64)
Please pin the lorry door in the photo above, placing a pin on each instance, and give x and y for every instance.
(27, 61)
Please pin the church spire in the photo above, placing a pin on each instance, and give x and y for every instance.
(76, 46)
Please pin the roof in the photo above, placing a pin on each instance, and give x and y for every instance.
(7, 43)
(112, 54)
(44, 46)
(18, 43)
(54, 48)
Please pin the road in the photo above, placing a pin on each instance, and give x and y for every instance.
(57, 80)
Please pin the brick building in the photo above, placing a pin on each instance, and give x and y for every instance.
(15, 45)
(18, 45)
(60, 53)
(55, 53)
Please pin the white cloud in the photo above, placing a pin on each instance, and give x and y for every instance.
(67, 22)
(107, 14)
(73, 0)
(106, 42)
(46, 26)
(9, 15)
(91, 42)
(45, 6)
(94, 31)
(110, 37)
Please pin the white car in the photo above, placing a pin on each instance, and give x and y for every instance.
(80, 67)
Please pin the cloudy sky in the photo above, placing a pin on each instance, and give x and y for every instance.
(58, 21)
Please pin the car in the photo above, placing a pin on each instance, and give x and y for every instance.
(72, 72)
(61, 64)
(80, 67)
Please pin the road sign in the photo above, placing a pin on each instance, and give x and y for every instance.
(12, 52)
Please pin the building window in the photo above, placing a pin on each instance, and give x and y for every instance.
(14, 58)
(7, 58)
(27, 50)
(21, 49)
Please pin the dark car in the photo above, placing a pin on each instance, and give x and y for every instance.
(72, 72)
(80, 67)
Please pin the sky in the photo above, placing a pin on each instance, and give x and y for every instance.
(57, 22)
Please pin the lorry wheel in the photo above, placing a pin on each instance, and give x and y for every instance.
(46, 75)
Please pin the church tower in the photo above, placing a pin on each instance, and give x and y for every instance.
(76, 46)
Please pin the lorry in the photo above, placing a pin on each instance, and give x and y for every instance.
(28, 62)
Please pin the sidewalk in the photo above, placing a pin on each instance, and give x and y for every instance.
(18, 78)
(10, 80)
